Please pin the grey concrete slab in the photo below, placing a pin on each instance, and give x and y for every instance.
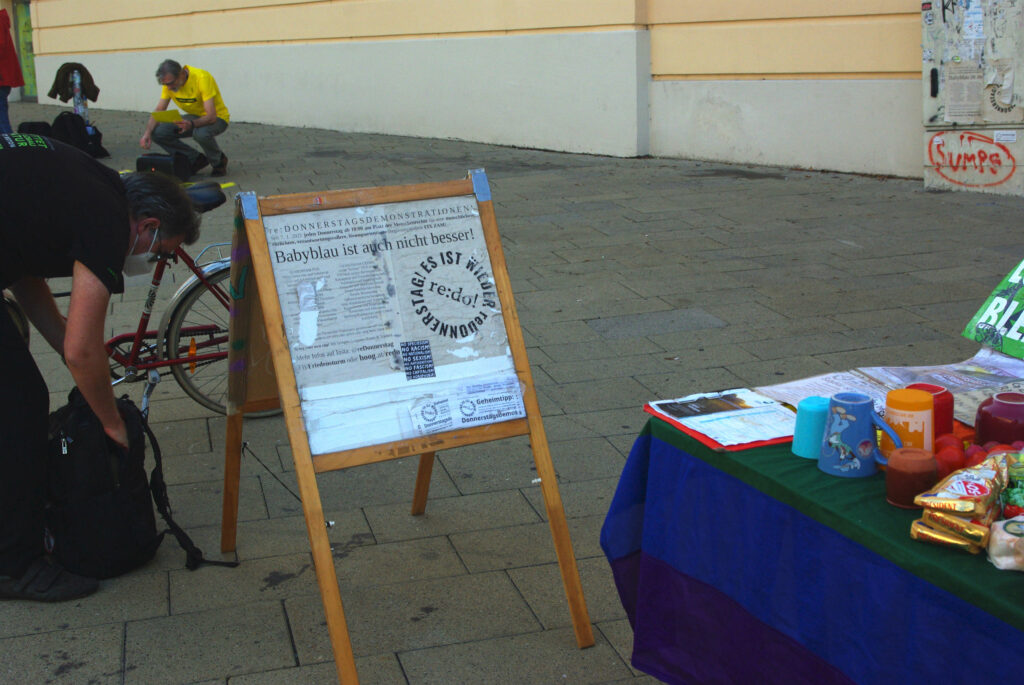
(382, 483)
(678, 384)
(619, 635)
(586, 370)
(598, 349)
(381, 669)
(198, 502)
(580, 498)
(608, 393)
(546, 657)
(586, 459)
(541, 586)
(272, 537)
(524, 545)
(654, 323)
(448, 515)
(71, 655)
(216, 643)
(414, 615)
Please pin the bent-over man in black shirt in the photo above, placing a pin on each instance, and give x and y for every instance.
(62, 213)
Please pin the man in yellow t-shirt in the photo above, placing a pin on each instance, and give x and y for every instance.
(204, 116)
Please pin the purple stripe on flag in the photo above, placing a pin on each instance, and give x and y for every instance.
(693, 650)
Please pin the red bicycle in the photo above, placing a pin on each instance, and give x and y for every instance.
(191, 342)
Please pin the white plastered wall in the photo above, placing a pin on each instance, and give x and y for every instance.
(860, 126)
(576, 92)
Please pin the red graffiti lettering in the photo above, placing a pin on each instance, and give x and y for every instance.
(970, 159)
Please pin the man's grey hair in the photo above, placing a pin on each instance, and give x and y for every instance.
(168, 68)
(151, 194)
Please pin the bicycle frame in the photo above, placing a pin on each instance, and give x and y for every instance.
(146, 345)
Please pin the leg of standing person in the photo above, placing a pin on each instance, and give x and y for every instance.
(24, 411)
(5, 122)
(25, 571)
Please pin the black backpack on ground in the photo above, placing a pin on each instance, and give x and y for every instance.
(99, 513)
(71, 128)
(40, 128)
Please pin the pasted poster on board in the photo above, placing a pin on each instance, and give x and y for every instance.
(393, 321)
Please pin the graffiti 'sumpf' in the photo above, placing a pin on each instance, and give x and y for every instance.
(970, 159)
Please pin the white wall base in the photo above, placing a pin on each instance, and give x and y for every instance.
(583, 92)
(855, 126)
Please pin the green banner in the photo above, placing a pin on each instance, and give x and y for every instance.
(999, 323)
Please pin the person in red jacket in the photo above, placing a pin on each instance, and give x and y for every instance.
(10, 70)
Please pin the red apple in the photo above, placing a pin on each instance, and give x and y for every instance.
(949, 459)
(948, 440)
(975, 450)
(976, 458)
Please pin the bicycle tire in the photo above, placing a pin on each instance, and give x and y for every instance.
(207, 382)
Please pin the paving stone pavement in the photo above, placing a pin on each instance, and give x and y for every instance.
(635, 279)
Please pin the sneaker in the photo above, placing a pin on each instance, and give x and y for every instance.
(222, 168)
(200, 162)
(47, 581)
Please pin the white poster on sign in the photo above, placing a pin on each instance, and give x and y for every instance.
(393, 321)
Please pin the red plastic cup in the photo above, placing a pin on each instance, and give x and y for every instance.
(943, 415)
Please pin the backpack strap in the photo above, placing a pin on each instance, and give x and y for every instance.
(193, 555)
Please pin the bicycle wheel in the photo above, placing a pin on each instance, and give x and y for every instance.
(199, 327)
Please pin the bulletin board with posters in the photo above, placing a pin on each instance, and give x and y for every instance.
(393, 332)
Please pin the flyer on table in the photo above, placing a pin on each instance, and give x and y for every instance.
(393, 321)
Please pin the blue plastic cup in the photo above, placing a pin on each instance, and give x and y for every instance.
(811, 414)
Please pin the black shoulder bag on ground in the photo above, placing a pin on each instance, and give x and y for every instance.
(71, 128)
(99, 513)
(175, 165)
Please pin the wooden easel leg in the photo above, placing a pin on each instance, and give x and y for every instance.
(327, 578)
(232, 476)
(419, 496)
(563, 544)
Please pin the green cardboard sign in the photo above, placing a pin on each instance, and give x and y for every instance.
(999, 323)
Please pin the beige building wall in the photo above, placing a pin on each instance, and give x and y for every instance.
(823, 84)
(811, 83)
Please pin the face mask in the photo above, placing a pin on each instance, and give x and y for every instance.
(139, 264)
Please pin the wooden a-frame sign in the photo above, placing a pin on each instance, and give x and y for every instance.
(435, 357)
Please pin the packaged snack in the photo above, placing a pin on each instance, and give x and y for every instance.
(972, 530)
(969, 491)
(920, 530)
(1006, 544)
